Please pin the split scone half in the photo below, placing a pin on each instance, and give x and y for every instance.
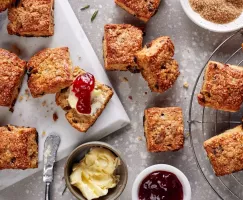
(12, 70)
(18, 147)
(143, 10)
(100, 96)
(49, 71)
(157, 65)
(5, 4)
(32, 18)
(222, 87)
(121, 43)
(164, 129)
(225, 151)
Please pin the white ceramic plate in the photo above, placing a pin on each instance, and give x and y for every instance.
(220, 28)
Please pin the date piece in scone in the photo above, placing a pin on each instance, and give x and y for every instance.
(142, 9)
(4, 4)
(225, 151)
(50, 70)
(164, 129)
(100, 96)
(222, 88)
(18, 147)
(157, 66)
(32, 18)
(12, 70)
(121, 42)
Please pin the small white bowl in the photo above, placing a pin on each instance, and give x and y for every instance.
(220, 28)
(161, 167)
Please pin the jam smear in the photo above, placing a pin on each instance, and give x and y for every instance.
(161, 185)
(82, 88)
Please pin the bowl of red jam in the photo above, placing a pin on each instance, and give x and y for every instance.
(161, 182)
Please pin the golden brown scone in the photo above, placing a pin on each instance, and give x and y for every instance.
(222, 88)
(121, 42)
(164, 128)
(4, 4)
(18, 147)
(143, 10)
(50, 70)
(80, 121)
(12, 70)
(157, 66)
(32, 18)
(225, 151)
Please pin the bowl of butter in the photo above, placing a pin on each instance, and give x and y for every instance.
(95, 170)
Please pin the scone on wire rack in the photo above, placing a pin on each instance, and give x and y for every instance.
(49, 71)
(5, 4)
(222, 87)
(121, 43)
(164, 129)
(141, 9)
(32, 18)
(12, 70)
(225, 151)
(18, 147)
(157, 65)
(84, 101)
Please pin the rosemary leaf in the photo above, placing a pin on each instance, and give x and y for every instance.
(85, 7)
(94, 15)
(64, 190)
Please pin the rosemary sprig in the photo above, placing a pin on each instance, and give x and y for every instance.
(85, 7)
(94, 15)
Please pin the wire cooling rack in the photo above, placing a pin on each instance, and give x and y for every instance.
(205, 123)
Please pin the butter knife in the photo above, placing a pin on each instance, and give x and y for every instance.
(50, 151)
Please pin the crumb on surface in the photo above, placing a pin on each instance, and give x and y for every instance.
(123, 79)
(43, 134)
(186, 85)
(44, 103)
(130, 97)
(55, 116)
(139, 138)
(21, 98)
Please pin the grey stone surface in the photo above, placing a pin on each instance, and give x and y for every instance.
(193, 47)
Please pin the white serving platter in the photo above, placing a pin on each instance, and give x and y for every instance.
(34, 113)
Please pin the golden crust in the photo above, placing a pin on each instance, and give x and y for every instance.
(79, 121)
(4, 4)
(143, 10)
(225, 151)
(12, 70)
(157, 66)
(222, 88)
(50, 70)
(32, 18)
(18, 147)
(121, 42)
(164, 128)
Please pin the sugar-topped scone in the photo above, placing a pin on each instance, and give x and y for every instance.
(164, 129)
(12, 70)
(84, 101)
(4, 4)
(121, 42)
(157, 65)
(50, 70)
(143, 10)
(222, 87)
(32, 18)
(18, 147)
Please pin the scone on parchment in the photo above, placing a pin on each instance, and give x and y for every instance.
(121, 42)
(100, 96)
(222, 88)
(157, 65)
(141, 9)
(18, 147)
(12, 70)
(32, 18)
(50, 70)
(225, 151)
(4, 4)
(164, 129)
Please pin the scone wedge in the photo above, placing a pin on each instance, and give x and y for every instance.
(83, 122)
(5, 4)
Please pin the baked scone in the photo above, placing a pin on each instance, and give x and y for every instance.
(121, 42)
(4, 4)
(18, 147)
(222, 88)
(12, 70)
(225, 151)
(143, 10)
(83, 122)
(157, 66)
(32, 18)
(50, 70)
(164, 129)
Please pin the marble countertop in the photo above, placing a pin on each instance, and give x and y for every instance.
(193, 46)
